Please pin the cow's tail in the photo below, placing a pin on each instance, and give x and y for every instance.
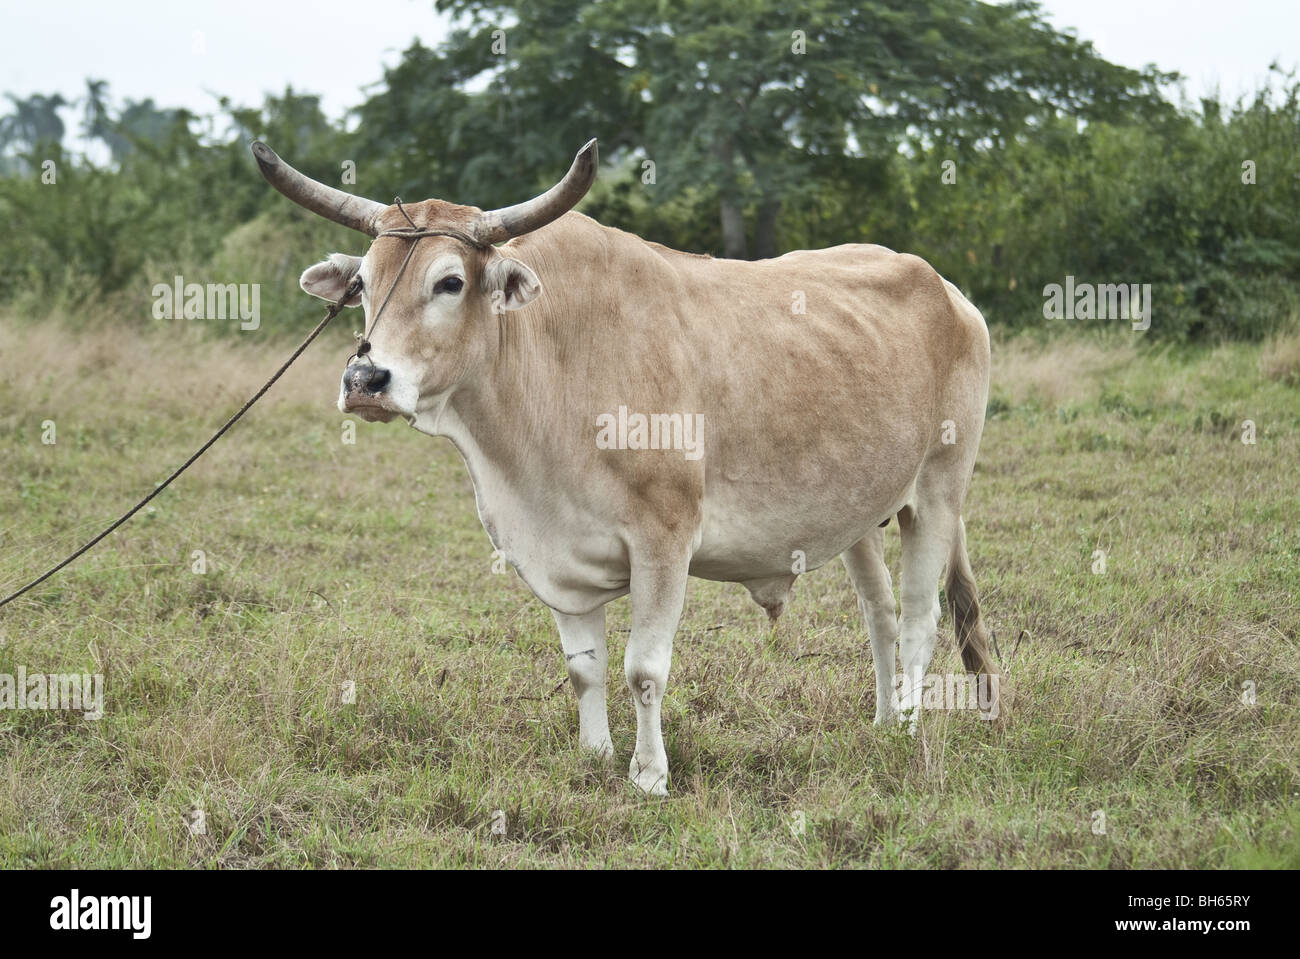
(964, 604)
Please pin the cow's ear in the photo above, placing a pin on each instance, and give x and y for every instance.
(331, 277)
(511, 284)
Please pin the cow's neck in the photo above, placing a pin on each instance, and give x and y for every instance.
(499, 420)
(516, 418)
(500, 432)
(514, 412)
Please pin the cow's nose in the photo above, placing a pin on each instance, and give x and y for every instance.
(365, 378)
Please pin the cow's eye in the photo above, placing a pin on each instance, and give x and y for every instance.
(449, 284)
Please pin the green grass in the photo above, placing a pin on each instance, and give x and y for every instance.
(366, 563)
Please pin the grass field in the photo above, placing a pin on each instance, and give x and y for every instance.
(329, 563)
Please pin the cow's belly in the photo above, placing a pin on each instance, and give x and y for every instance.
(787, 491)
(568, 550)
(573, 560)
(743, 539)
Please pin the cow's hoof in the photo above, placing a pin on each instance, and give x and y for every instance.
(886, 713)
(658, 788)
(651, 780)
(602, 749)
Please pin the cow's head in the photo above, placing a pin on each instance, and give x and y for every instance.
(442, 303)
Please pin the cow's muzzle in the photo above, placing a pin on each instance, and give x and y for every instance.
(365, 378)
(365, 391)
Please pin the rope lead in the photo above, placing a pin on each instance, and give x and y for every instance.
(332, 312)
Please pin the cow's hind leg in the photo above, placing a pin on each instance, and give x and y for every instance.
(865, 561)
(927, 528)
(934, 541)
(585, 657)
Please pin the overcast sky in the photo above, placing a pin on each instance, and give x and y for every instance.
(180, 54)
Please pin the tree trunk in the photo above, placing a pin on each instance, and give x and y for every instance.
(733, 231)
(765, 228)
(733, 215)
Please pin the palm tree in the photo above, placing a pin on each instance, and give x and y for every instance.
(96, 124)
(35, 121)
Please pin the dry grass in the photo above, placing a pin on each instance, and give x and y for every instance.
(331, 563)
(1057, 373)
(1280, 359)
(180, 364)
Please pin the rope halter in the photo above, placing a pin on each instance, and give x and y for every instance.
(415, 234)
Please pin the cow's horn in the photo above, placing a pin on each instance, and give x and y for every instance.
(354, 211)
(493, 226)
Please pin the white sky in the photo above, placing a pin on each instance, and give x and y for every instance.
(181, 53)
(1223, 45)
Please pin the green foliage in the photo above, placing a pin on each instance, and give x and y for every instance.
(1064, 164)
(170, 204)
(1160, 204)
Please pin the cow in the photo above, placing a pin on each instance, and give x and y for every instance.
(801, 403)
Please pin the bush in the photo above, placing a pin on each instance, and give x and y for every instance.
(1160, 203)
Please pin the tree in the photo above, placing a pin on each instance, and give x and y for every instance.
(753, 104)
(142, 121)
(98, 124)
(34, 122)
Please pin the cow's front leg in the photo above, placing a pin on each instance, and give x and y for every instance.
(583, 641)
(657, 593)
